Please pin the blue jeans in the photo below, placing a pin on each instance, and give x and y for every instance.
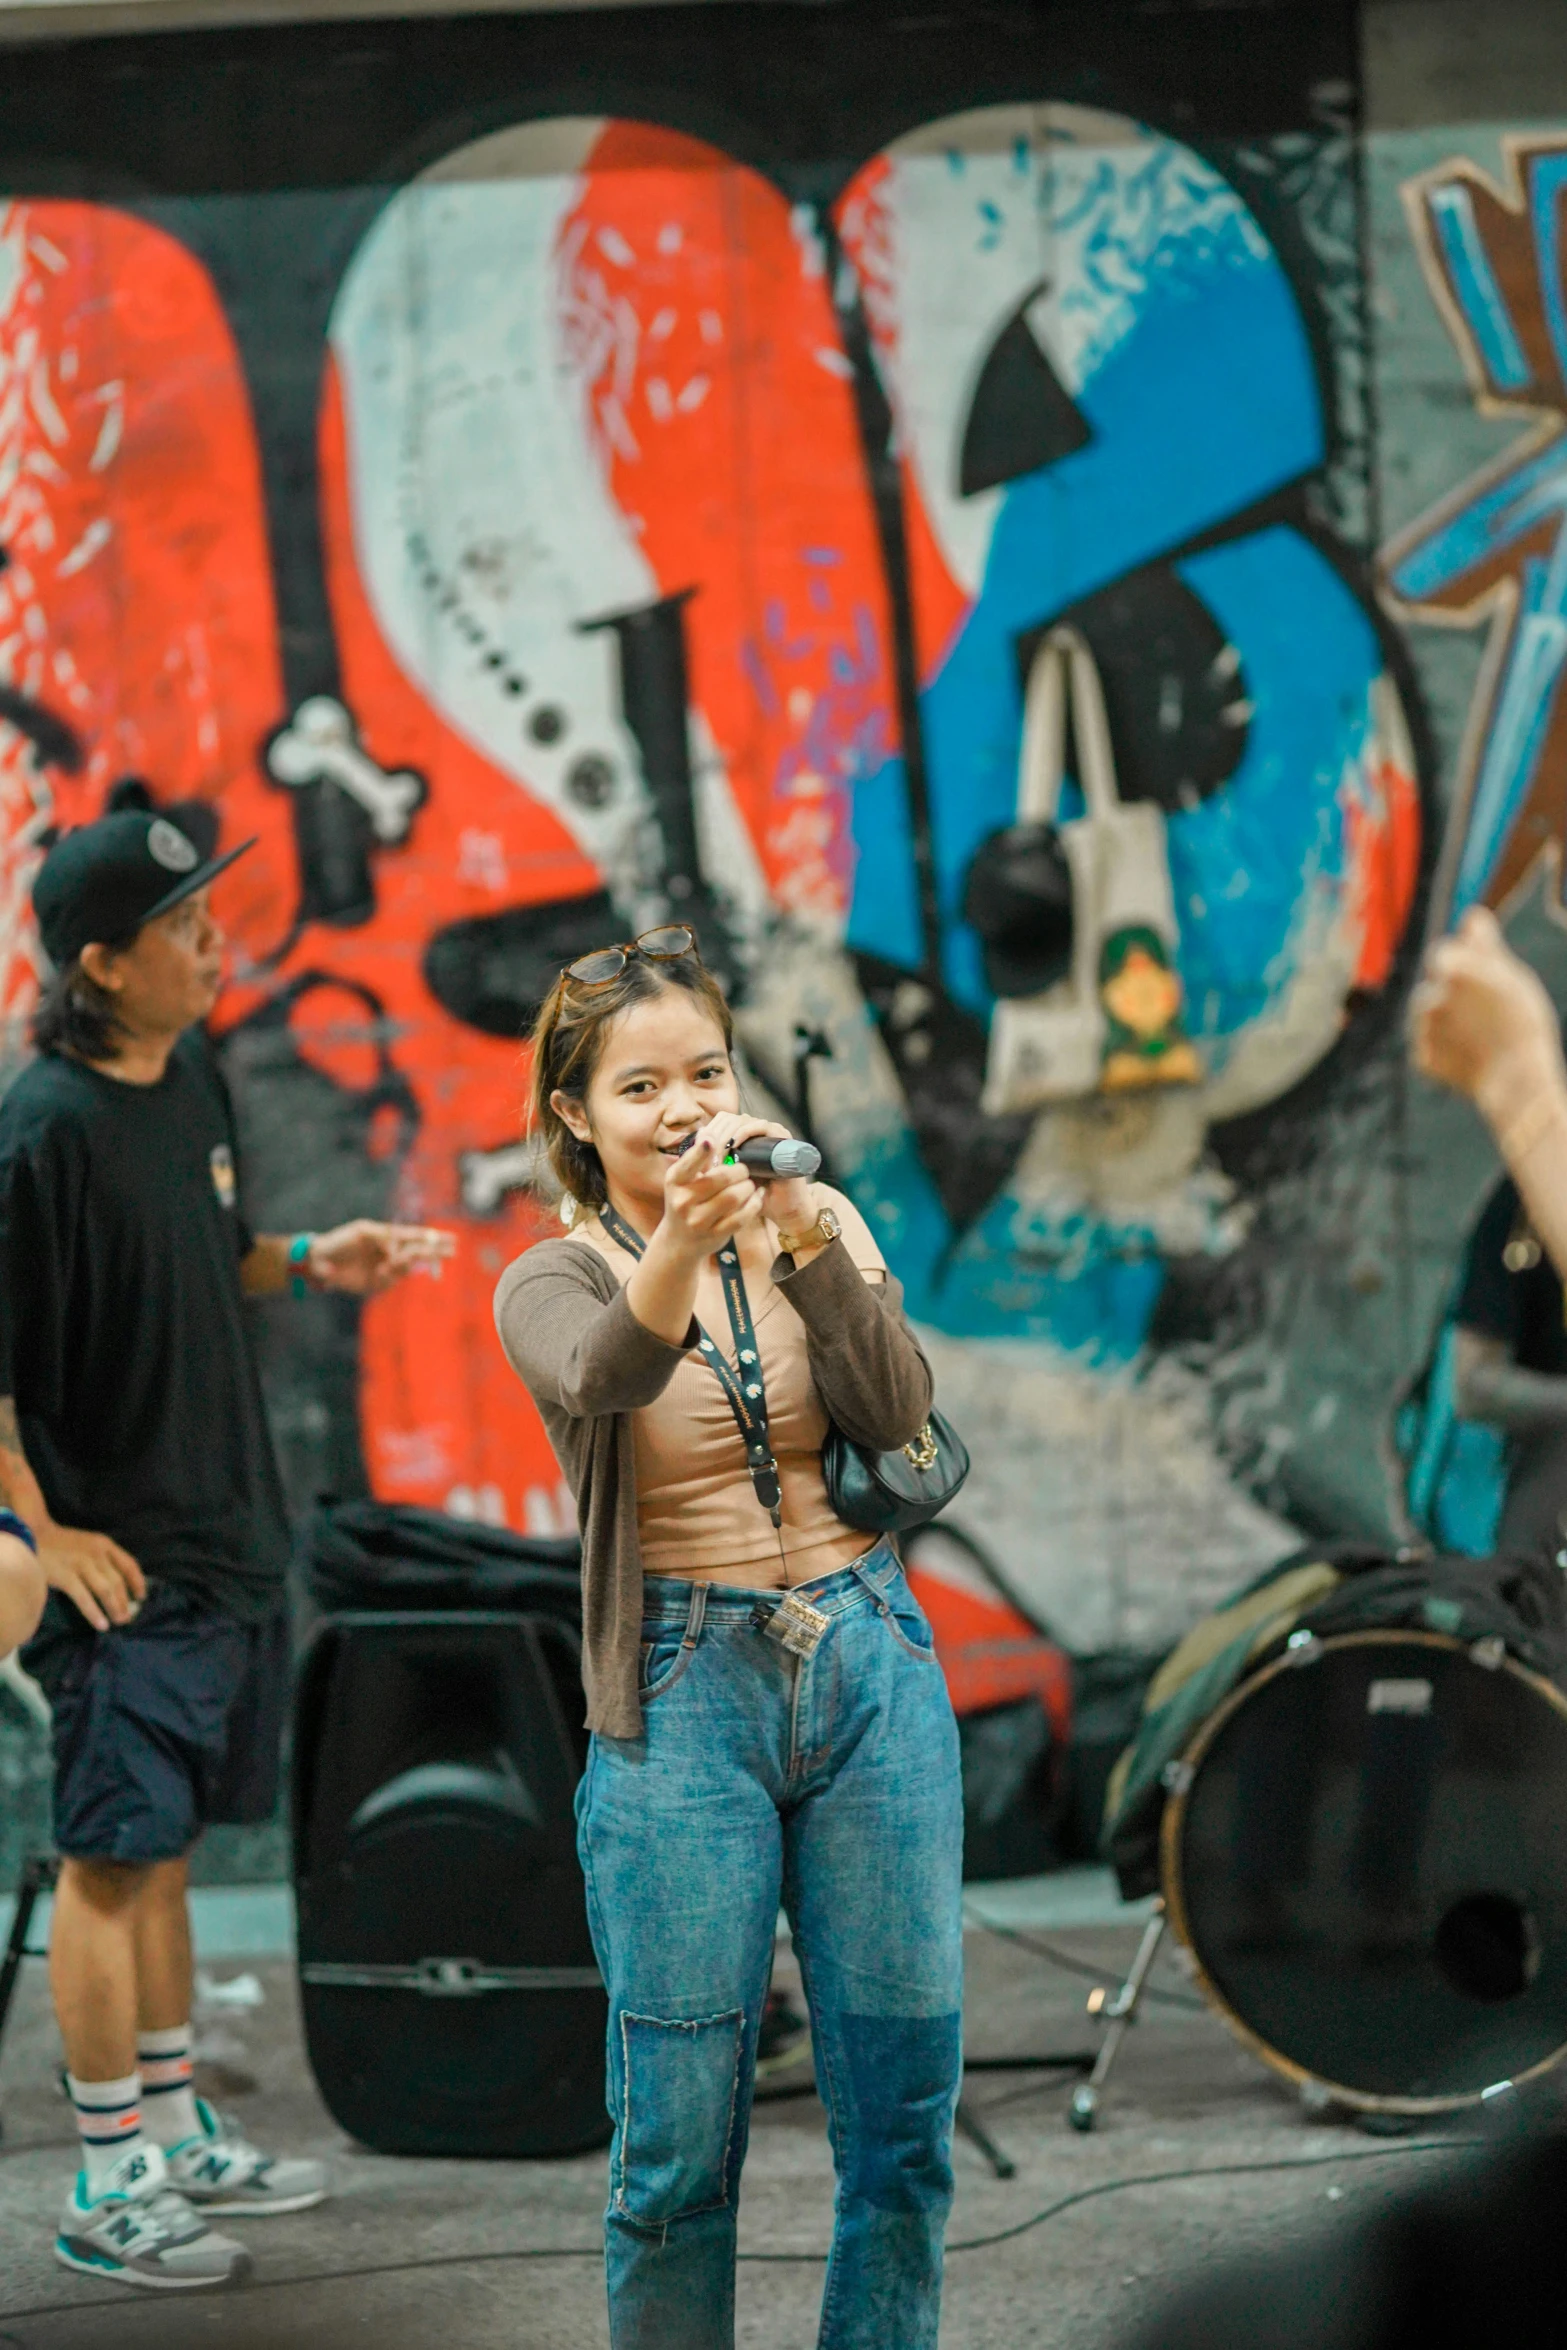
(829, 1783)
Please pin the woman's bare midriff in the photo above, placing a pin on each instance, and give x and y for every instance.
(780, 1574)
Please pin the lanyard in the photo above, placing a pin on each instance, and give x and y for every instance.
(745, 1389)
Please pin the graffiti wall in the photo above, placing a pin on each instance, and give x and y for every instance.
(904, 499)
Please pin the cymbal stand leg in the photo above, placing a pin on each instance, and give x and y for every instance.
(975, 2131)
(1120, 2013)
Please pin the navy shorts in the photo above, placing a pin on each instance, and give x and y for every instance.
(163, 1726)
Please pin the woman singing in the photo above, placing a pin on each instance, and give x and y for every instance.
(768, 1720)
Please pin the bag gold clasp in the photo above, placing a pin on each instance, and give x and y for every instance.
(920, 1450)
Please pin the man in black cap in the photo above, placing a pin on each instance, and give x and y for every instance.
(134, 1446)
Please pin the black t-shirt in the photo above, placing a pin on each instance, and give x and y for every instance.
(1523, 1309)
(122, 1323)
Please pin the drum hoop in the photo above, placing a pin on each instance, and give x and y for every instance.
(1192, 1757)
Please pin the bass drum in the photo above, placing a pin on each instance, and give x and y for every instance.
(1365, 1852)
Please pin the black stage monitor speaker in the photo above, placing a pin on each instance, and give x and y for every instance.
(451, 2000)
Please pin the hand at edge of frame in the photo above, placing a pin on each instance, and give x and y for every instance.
(1481, 1021)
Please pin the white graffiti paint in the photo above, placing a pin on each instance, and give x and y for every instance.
(1058, 208)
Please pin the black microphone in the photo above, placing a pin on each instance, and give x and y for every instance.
(765, 1157)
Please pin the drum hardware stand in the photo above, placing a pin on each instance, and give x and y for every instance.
(1076, 2061)
(1002, 2165)
(1120, 2013)
(38, 1876)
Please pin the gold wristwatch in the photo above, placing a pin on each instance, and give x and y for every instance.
(817, 1235)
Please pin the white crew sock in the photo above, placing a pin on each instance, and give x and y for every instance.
(168, 2103)
(108, 2116)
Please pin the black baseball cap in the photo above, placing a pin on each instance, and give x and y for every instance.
(103, 881)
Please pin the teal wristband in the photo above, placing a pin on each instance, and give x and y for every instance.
(299, 1254)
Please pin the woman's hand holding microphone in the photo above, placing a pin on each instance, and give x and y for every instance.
(709, 1200)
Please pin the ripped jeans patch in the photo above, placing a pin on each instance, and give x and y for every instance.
(677, 2118)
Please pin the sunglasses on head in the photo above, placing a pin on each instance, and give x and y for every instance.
(605, 964)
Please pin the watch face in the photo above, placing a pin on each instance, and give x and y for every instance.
(829, 1224)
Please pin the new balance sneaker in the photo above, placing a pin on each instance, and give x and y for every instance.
(138, 2231)
(222, 2171)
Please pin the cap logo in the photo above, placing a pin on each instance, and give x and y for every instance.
(168, 847)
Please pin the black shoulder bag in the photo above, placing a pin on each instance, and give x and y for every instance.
(876, 1492)
(893, 1492)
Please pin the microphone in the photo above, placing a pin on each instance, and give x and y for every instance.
(764, 1158)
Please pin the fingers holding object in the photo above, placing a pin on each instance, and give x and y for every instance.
(703, 1172)
(730, 1128)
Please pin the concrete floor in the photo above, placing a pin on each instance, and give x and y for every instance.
(1188, 2099)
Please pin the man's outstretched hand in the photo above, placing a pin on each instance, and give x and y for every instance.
(363, 1258)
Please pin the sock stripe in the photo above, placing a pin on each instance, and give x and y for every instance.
(170, 2113)
(108, 2113)
(161, 2074)
(106, 2125)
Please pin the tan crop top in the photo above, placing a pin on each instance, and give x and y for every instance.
(697, 1511)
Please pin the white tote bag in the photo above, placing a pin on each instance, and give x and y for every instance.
(1113, 1024)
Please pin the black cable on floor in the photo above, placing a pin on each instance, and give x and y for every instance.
(1216, 2170)
(1079, 1966)
(440, 2260)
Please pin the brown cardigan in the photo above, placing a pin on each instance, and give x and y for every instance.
(571, 1337)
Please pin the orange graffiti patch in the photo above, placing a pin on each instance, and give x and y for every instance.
(1384, 861)
(723, 413)
(991, 1655)
(136, 605)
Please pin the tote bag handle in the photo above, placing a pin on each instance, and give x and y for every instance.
(1063, 665)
